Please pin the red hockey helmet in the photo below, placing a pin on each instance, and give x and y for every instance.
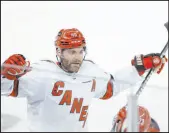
(146, 123)
(69, 38)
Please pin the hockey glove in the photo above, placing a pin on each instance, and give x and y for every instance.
(14, 67)
(153, 60)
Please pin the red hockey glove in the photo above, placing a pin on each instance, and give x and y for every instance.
(143, 63)
(11, 72)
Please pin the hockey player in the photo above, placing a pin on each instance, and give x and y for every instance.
(59, 93)
(146, 122)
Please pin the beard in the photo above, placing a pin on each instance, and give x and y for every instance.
(71, 67)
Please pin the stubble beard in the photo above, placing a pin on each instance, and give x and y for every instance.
(70, 67)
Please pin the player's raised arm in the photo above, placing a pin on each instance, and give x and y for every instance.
(130, 76)
(12, 69)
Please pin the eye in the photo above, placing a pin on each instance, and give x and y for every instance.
(81, 52)
(73, 52)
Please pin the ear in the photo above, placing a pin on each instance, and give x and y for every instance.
(58, 52)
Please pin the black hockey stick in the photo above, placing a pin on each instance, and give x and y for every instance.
(132, 104)
(152, 70)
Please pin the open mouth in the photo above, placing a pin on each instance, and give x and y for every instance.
(76, 63)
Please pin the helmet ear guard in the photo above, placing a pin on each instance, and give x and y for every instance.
(58, 51)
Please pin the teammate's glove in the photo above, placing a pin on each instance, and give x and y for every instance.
(145, 62)
(14, 67)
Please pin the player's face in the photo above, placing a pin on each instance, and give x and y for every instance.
(72, 59)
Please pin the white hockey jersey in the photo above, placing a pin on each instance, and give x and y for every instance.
(59, 101)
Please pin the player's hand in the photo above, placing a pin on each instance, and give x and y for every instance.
(14, 67)
(145, 62)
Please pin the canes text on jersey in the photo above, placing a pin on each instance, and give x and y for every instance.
(66, 99)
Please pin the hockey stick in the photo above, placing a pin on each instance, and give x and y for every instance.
(143, 84)
(132, 104)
